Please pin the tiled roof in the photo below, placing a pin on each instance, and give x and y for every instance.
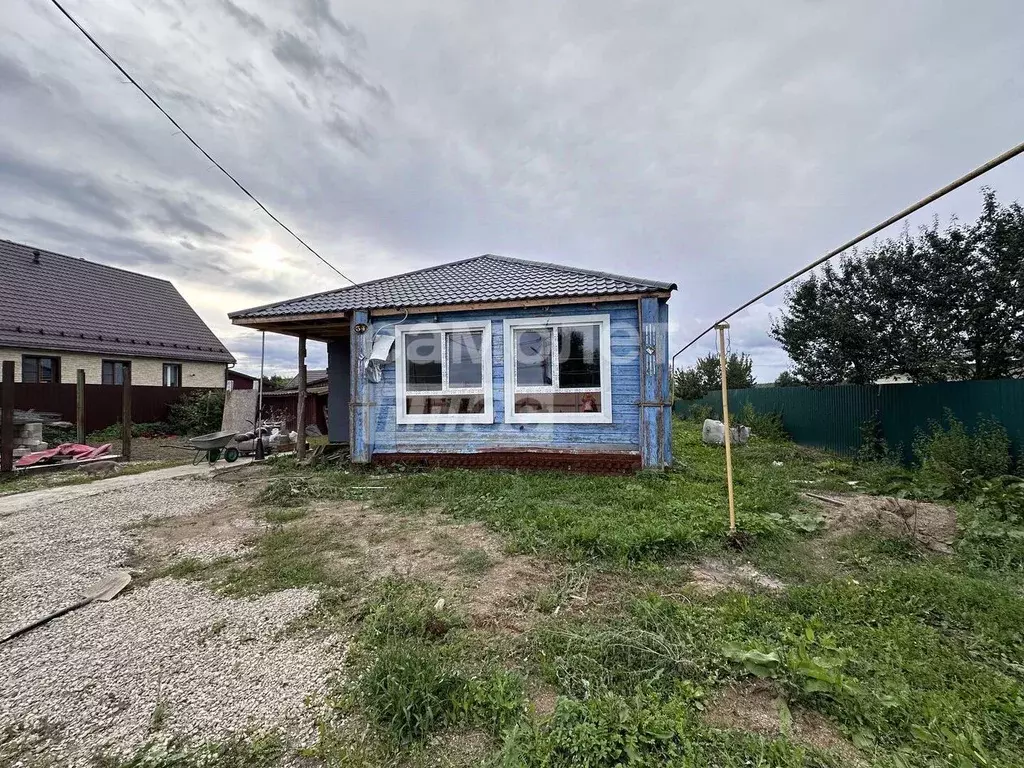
(312, 375)
(479, 279)
(68, 304)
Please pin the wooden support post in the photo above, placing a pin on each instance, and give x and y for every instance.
(80, 407)
(126, 414)
(300, 409)
(728, 433)
(7, 419)
(360, 441)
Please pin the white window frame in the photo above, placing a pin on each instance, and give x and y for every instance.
(511, 385)
(486, 389)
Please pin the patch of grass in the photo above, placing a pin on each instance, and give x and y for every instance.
(644, 518)
(286, 558)
(417, 673)
(474, 561)
(259, 751)
(285, 514)
(406, 610)
(283, 557)
(917, 662)
(643, 730)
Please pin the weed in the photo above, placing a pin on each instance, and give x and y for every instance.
(573, 585)
(766, 426)
(407, 610)
(956, 458)
(641, 729)
(413, 689)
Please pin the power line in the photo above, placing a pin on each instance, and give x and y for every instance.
(979, 171)
(194, 143)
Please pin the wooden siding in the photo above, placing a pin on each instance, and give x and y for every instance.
(622, 435)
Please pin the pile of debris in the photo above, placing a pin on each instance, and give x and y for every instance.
(31, 450)
(28, 431)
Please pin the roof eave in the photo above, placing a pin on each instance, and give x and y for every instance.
(264, 322)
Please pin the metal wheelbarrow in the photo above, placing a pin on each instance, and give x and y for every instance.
(210, 447)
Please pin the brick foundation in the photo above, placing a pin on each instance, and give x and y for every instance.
(590, 463)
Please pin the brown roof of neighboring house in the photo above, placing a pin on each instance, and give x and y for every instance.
(312, 375)
(52, 301)
(479, 279)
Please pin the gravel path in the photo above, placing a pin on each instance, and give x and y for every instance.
(170, 654)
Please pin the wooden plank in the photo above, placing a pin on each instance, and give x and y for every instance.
(7, 418)
(270, 320)
(80, 407)
(300, 406)
(126, 414)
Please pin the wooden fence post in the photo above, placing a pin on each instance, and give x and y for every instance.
(725, 420)
(7, 419)
(126, 414)
(80, 407)
(300, 406)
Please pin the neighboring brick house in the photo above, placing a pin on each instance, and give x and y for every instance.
(59, 314)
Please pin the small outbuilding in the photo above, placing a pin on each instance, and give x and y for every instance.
(492, 361)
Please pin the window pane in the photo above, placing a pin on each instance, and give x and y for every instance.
(46, 370)
(434, 405)
(558, 402)
(30, 370)
(579, 356)
(172, 375)
(465, 360)
(422, 362)
(533, 357)
(113, 372)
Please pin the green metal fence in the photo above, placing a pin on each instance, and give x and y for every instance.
(831, 417)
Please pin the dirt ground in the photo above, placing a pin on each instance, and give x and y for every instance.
(757, 708)
(932, 525)
(496, 590)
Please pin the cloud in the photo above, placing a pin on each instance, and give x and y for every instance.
(719, 147)
(250, 21)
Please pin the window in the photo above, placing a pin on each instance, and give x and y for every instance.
(113, 371)
(558, 370)
(172, 374)
(443, 373)
(40, 370)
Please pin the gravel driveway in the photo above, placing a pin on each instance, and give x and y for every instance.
(169, 657)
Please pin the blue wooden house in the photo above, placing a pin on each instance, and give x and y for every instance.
(492, 361)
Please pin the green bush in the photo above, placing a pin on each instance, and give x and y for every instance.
(197, 413)
(699, 412)
(767, 426)
(992, 531)
(951, 455)
(873, 445)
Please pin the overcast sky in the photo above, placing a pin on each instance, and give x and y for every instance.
(716, 145)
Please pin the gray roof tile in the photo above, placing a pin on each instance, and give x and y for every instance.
(479, 279)
(69, 304)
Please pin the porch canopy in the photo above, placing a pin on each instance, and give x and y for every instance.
(482, 282)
